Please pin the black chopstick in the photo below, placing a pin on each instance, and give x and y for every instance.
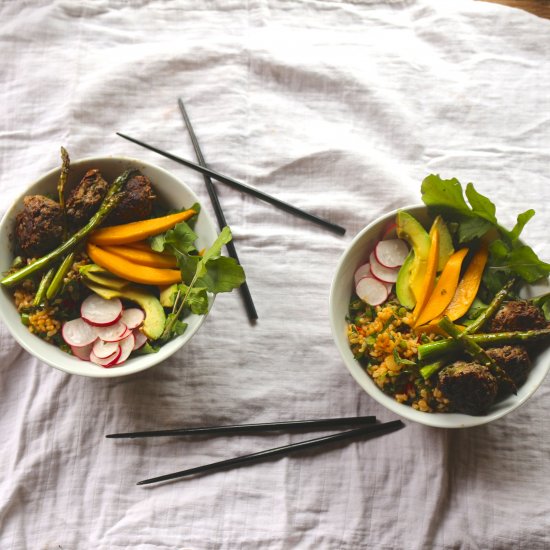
(279, 451)
(220, 216)
(241, 187)
(244, 428)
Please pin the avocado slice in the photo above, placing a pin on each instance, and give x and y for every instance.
(155, 318)
(168, 295)
(446, 248)
(411, 230)
(101, 276)
(402, 286)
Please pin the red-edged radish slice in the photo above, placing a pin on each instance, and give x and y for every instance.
(78, 333)
(82, 352)
(106, 361)
(133, 317)
(391, 253)
(362, 271)
(388, 286)
(372, 291)
(103, 349)
(113, 333)
(390, 232)
(385, 274)
(127, 347)
(140, 339)
(100, 312)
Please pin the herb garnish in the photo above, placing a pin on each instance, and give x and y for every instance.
(207, 273)
(508, 255)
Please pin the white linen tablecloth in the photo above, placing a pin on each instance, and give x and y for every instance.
(340, 108)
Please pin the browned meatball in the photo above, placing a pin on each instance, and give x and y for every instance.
(469, 387)
(86, 198)
(518, 315)
(38, 227)
(136, 202)
(513, 360)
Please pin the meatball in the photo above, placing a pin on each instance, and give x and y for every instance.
(513, 360)
(136, 202)
(469, 387)
(38, 227)
(517, 315)
(86, 198)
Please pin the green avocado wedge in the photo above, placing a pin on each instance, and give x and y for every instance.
(402, 285)
(412, 231)
(446, 247)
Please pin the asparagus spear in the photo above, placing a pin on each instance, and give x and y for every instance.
(43, 286)
(432, 350)
(113, 197)
(428, 370)
(57, 280)
(492, 308)
(61, 187)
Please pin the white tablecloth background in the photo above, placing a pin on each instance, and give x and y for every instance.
(340, 108)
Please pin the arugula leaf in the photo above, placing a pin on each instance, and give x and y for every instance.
(210, 272)
(508, 254)
(197, 298)
(444, 194)
(177, 327)
(543, 302)
(522, 220)
(472, 228)
(223, 275)
(180, 238)
(481, 205)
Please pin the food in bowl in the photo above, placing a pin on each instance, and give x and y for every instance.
(104, 270)
(436, 319)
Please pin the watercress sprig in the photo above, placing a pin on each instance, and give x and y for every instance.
(209, 272)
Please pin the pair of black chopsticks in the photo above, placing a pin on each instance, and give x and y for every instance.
(208, 174)
(369, 427)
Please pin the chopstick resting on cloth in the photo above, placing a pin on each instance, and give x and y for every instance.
(241, 187)
(368, 427)
(323, 423)
(370, 430)
(220, 216)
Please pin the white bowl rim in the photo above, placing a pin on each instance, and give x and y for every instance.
(435, 419)
(140, 362)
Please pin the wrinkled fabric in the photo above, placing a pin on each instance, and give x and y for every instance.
(340, 108)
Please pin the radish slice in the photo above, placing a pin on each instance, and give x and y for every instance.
(384, 274)
(103, 349)
(391, 253)
(362, 271)
(100, 312)
(82, 352)
(127, 346)
(132, 317)
(78, 333)
(112, 333)
(390, 232)
(371, 291)
(106, 361)
(140, 339)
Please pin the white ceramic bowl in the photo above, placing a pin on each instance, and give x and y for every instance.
(340, 294)
(171, 192)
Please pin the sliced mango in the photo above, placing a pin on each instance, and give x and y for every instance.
(444, 290)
